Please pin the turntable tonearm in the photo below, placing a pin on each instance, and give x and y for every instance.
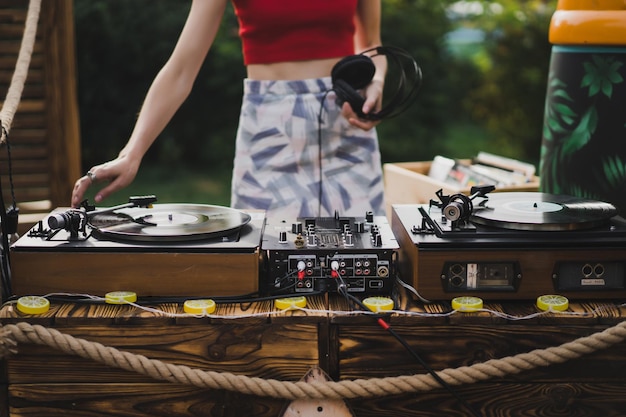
(511, 245)
(161, 250)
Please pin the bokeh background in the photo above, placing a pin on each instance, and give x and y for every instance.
(485, 66)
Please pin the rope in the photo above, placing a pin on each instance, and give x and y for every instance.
(347, 389)
(21, 69)
(496, 368)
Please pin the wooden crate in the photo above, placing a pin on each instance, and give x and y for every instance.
(409, 183)
(42, 380)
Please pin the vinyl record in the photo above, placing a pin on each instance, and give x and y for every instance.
(540, 211)
(168, 223)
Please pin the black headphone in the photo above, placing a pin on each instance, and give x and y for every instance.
(354, 72)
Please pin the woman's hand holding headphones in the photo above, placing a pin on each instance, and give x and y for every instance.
(373, 94)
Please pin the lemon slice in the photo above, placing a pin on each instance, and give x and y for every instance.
(467, 304)
(204, 306)
(552, 302)
(120, 297)
(377, 304)
(290, 303)
(33, 304)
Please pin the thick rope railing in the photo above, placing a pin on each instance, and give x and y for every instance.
(11, 334)
(14, 94)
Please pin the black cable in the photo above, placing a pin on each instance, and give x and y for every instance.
(382, 323)
(4, 250)
(4, 229)
(342, 289)
(319, 153)
(10, 166)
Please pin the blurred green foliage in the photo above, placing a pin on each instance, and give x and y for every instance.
(508, 99)
(491, 99)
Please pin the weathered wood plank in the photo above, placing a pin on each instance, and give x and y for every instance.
(285, 346)
(48, 102)
(136, 400)
(61, 99)
(367, 352)
(284, 352)
(505, 400)
(539, 400)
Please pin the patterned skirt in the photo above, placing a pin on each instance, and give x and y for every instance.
(292, 163)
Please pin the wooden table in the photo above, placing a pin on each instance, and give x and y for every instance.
(260, 343)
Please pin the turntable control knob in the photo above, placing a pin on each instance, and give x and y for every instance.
(453, 211)
(310, 240)
(359, 226)
(378, 240)
(296, 228)
(57, 221)
(369, 217)
(282, 237)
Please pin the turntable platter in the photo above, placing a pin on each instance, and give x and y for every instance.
(540, 211)
(168, 223)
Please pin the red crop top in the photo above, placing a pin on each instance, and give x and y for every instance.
(295, 30)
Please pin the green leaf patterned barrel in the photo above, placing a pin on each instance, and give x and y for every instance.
(583, 149)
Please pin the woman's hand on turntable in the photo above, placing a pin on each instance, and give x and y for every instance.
(117, 174)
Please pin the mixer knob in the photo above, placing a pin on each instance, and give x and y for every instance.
(282, 237)
(349, 241)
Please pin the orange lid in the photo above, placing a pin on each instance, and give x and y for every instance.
(591, 5)
(589, 22)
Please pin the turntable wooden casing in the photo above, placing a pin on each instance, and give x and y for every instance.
(579, 264)
(221, 266)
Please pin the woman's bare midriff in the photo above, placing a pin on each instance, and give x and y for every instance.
(294, 70)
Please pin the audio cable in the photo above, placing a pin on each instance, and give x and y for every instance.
(342, 289)
(320, 121)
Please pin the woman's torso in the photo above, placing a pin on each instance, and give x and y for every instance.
(287, 39)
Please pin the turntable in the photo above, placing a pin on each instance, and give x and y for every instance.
(513, 245)
(153, 250)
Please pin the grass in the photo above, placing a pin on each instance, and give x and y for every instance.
(198, 186)
(178, 186)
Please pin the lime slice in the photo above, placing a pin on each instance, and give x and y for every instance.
(552, 302)
(204, 306)
(120, 297)
(377, 304)
(467, 304)
(33, 304)
(290, 303)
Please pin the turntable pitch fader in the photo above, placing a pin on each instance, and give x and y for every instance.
(318, 254)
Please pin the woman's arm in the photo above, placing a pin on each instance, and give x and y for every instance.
(168, 91)
(367, 36)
